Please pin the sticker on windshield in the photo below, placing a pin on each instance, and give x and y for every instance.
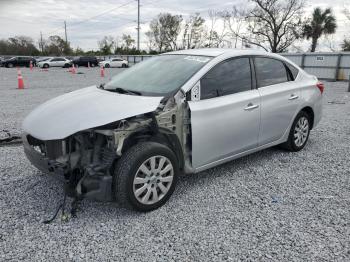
(199, 59)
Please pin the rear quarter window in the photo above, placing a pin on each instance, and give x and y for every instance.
(293, 70)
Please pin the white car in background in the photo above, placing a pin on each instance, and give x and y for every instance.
(114, 62)
(55, 62)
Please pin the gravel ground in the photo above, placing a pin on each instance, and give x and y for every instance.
(269, 206)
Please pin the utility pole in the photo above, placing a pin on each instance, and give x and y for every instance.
(65, 31)
(41, 43)
(138, 24)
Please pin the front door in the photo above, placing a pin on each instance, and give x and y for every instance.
(225, 121)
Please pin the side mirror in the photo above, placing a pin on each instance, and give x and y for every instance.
(196, 92)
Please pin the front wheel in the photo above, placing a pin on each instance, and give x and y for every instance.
(145, 176)
(124, 66)
(46, 66)
(299, 133)
(107, 66)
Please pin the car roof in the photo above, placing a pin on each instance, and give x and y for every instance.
(219, 51)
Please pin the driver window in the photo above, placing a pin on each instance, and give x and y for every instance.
(228, 77)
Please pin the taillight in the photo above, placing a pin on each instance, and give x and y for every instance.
(320, 86)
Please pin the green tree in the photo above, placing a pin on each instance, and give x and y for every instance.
(127, 41)
(106, 45)
(18, 45)
(321, 23)
(345, 45)
(193, 34)
(57, 46)
(78, 51)
(164, 31)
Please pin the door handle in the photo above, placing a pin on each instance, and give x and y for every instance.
(251, 106)
(292, 97)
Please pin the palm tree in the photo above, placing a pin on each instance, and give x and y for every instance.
(322, 23)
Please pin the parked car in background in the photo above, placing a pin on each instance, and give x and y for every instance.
(179, 112)
(85, 61)
(55, 62)
(40, 59)
(114, 62)
(19, 61)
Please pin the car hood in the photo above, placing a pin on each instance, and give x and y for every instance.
(86, 108)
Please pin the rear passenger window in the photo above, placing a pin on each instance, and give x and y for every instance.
(226, 78)
(270, 71)
(294, 71)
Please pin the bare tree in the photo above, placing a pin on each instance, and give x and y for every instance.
(347, 13)
(235, 21)
(215, 37)
(193, 33)
(273, 24)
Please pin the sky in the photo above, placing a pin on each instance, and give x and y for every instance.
(89, 20)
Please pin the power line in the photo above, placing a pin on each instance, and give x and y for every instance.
(103, 13)
(65, 31)
(92, 17)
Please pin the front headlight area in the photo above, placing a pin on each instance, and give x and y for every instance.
(86, 159)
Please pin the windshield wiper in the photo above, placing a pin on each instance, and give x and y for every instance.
(126, 91)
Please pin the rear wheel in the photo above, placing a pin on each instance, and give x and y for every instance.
(145, 176)
(46, 66)
(299, 133)
(9, 65)
(107, 66)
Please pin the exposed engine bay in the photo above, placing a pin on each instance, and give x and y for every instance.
(86, 159)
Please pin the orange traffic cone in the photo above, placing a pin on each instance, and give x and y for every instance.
(102, 71)
(31, 65)
(20, 79)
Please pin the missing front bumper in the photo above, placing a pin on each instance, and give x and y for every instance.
(94, 186)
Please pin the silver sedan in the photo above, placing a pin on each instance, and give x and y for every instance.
(180, 112)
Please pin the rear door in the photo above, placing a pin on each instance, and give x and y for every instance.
(280, 97)
(54, 62)
(60, 62)
(225, 121)
(20, 61)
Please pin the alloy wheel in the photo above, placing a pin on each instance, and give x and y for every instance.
(153, 180)
(301, 131)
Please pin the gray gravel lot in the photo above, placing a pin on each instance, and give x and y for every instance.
(272, 205)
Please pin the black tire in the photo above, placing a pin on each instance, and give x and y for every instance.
(93, 64)
(291, 145)
(124, 66)
(107, 66)
(127, 167)
(9, 65)
(66, 66)
(46, 66)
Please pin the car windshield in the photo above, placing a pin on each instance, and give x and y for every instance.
(158, 76)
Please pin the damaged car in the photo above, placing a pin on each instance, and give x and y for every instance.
(177, 113)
